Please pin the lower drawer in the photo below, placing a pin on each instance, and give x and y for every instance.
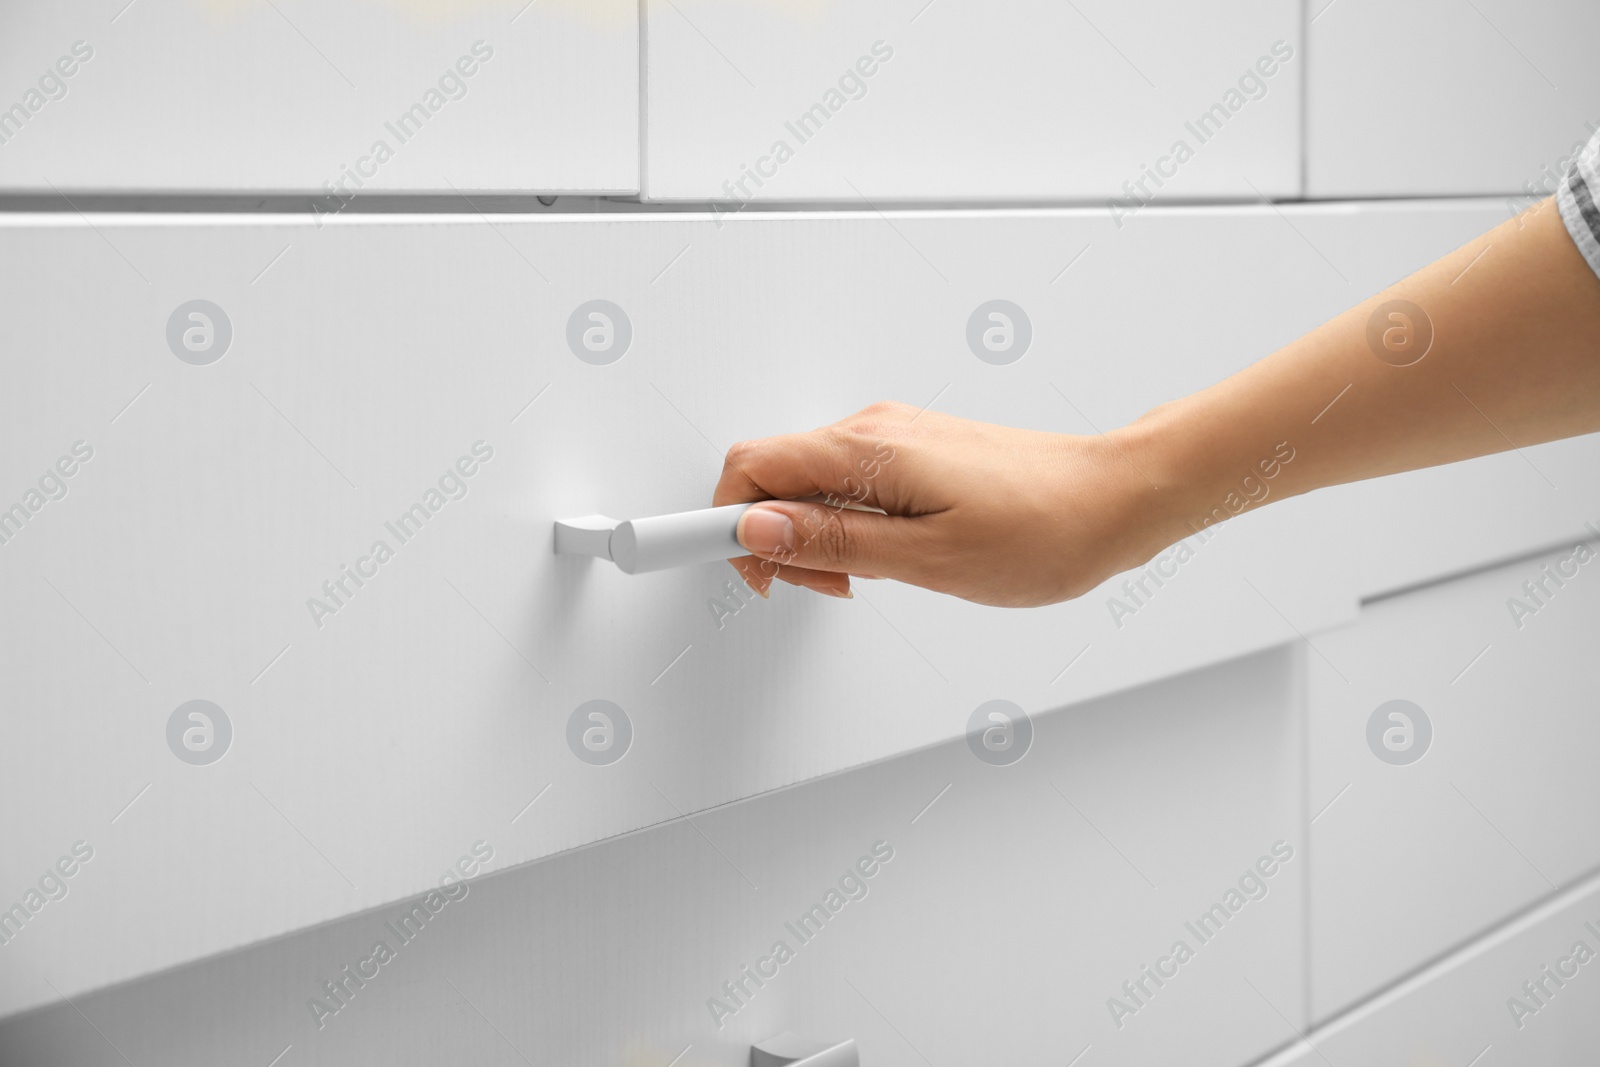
(938, 907)
(1529, 993)
(1453, 733)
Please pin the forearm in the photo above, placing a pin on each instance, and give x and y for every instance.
(1514, 360)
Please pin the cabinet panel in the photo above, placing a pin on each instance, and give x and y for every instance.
(1503, 1000)
(330, 99)
(1020, 99)
(1438, 98)
(1002, 909)
(201, 552)
(1432, 825)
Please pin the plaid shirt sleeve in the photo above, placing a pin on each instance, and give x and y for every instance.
(1576, 199)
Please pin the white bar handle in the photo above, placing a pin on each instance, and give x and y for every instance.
(681, 539)
(656, 543)
(787, 1050)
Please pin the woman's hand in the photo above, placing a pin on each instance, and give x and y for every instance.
(995, 515)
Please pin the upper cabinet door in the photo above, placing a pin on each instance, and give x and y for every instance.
(952, 99)
(1444, 98)
(322, 97)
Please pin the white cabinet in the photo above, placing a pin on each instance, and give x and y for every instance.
(953, 100)
(979, 914)
(1445, 98)
(210, 548)
(331, 99)
(1430, 826)
(1524, 994)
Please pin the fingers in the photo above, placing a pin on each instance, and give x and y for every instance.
(835, 462)
(831, 542)
(845, 463)
(759, 574)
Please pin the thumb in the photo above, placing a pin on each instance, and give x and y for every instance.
(827, 538)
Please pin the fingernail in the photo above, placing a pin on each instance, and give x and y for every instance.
(766, 532)
(845, 595)
(764, 594)
(874, 577)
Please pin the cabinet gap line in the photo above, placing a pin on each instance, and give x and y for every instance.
(690, 820)
(1296, 629)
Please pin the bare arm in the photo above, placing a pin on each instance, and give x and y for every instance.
(1494, 346)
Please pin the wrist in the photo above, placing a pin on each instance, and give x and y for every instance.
(1199, 472)
(1175, 482)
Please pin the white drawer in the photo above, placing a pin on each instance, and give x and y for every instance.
(1503, 1000)
(326, 98)
(1442, 98)
(1017, 99)
(369, 355)
(1016, 903)
(1410, 860)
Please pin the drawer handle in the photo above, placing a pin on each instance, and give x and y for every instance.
(787, 1050)
(641, 545)
(681, 539)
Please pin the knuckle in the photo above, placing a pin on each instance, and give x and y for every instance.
(832, 541)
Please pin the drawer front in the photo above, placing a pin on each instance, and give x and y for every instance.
(1438, 98)
(200, 553)
(1524, 994)
(1430, 827)
(1001, 912)
(330, 99)
(1011, 100)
